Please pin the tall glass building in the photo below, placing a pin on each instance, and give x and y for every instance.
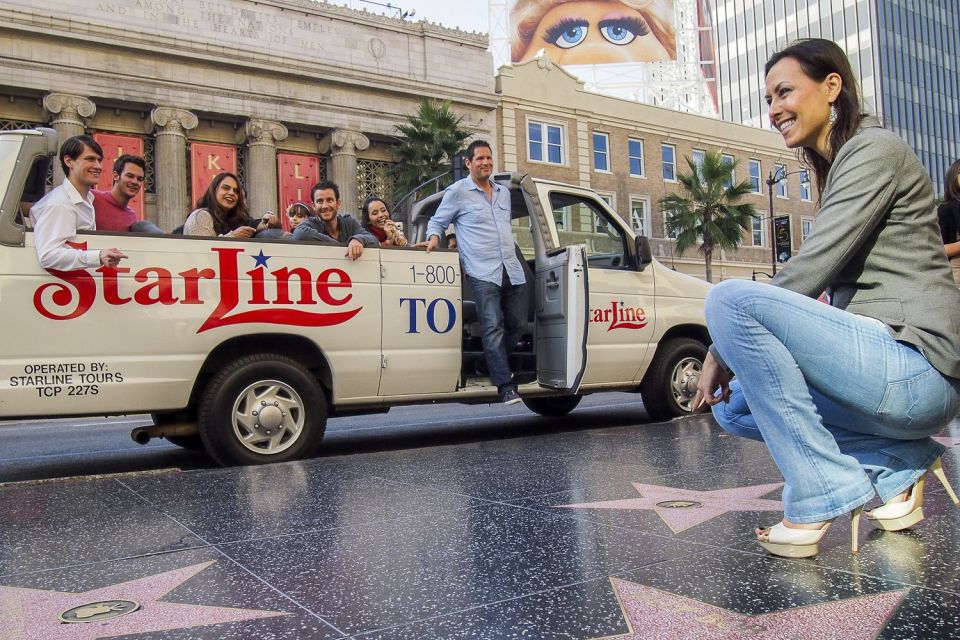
(905, 54)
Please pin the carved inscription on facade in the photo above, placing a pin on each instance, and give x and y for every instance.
(235, 22)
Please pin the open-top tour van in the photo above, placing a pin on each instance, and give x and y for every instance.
(247, 346)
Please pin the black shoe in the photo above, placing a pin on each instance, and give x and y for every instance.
(510, 396)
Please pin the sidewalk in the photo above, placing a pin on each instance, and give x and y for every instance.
(638, 531)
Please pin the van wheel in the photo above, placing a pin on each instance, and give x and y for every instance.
(553, 407)
(671, 382)
(262, 408)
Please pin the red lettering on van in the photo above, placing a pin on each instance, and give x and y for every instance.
(78, 291)
(620, 317)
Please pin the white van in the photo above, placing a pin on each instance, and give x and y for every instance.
(247, 346)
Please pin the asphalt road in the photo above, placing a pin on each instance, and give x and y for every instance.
(48, 449)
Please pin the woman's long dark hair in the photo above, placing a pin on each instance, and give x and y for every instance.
(819, 58)
(951, 190)
(225, 221)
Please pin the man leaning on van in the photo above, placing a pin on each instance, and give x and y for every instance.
(68, 208)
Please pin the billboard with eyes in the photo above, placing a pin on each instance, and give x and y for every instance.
(654, 51)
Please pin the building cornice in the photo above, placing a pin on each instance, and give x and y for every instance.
(361, 16)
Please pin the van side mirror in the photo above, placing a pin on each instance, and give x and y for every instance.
(643, 252)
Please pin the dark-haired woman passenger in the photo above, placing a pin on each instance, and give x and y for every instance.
(845, 396)
(948, 215)
(376, 219)
(221, 211)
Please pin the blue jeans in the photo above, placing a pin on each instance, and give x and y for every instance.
(503, 317)
(841, 405)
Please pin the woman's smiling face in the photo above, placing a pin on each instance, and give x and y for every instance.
(595, 32)
(228, 193)
(378, 214)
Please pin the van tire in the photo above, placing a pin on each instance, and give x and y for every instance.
(553, 406)
(668, 387)
(294, 411)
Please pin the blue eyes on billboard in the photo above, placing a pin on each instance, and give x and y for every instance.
(568, 33)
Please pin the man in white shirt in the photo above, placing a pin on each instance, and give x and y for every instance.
(68, 208)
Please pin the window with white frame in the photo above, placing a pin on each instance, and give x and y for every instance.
(806, 226)
(545, 142)
(666, 230)
(758, 236)
(635, 151)
(668, 156)
(640, 215)
(756, 181)
(601, 151)
(781, 170)
(729, 161)
(805, 193)
(698, 156)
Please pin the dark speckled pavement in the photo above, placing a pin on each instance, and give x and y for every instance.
(639, 531)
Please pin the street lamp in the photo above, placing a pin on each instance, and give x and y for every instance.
(773, 178)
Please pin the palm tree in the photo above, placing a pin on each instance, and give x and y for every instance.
(431, 137)
(707, 210)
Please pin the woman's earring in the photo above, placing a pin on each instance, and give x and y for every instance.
(833, 115)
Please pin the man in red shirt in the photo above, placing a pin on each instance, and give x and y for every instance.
(112, 208)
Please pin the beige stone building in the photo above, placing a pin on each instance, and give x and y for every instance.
(255, 86)
(551, 127)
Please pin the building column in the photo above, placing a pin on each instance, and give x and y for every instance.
(67, 113)
(343, 146)
(170, 164)
(262, 137)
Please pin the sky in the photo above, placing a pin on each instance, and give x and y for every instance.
(469, 15)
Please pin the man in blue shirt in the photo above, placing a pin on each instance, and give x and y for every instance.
(480, 212)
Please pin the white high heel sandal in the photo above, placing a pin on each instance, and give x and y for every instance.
(787, 542)
(897, 516)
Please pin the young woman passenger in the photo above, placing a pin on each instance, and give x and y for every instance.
(376, 219)
(845, 396)
(594, 31)
(221, 211)
(948, 215)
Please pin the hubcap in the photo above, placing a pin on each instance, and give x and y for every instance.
(268, 417)
(686, 376)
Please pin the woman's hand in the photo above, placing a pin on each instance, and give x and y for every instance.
(243, 232)
(711, 377)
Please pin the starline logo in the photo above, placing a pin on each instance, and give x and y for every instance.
(269, 296)
(619, 317)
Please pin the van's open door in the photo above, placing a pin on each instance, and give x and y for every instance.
(562, 318)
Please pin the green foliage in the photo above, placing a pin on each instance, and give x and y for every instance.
(431, 137)
(707, 209)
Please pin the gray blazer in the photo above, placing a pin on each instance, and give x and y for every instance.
(876, 246)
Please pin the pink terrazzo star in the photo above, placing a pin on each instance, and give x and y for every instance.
(33, 613)
(652, 614)
(947, 441)
(713, 503)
